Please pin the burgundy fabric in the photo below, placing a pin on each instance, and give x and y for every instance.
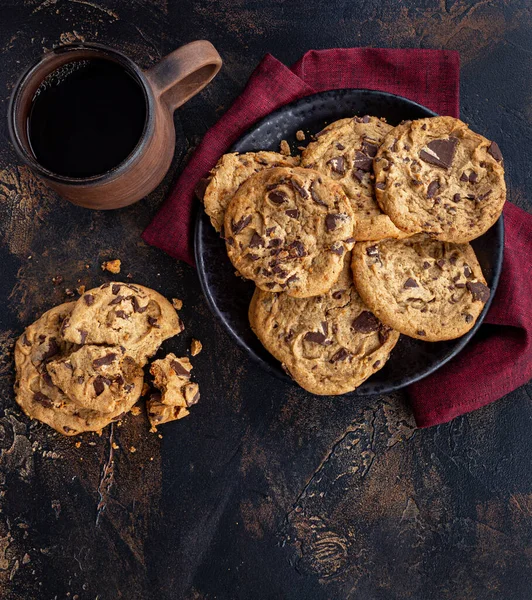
(499, 358)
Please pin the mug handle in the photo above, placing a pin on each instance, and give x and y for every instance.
(184, 72)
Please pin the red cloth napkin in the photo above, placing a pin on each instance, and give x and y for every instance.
(499, 358)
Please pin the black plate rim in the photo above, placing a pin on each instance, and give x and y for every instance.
(201, 220)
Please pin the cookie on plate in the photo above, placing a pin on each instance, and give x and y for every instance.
(437, 176)
(288, 229)
(100, 378)
(344, 151)
(123, 314)
(171, 375)
(424, 288)
(230, 172)
(35, 391)
(329, 344)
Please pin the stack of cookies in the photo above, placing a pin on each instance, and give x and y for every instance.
(80, 365)
(361, 238)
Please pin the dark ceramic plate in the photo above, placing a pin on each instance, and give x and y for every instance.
(229, 296)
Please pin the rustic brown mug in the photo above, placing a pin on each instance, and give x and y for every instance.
(166, 86)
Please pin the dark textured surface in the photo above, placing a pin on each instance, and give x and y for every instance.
(411, 359)
(264, 491)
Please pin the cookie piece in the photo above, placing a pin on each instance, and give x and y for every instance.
(437, 176)
(288, 229)
(123, 314)
(35, 391)
(344, 151)
(230, 172)
(100, 378)
(422, 287)
(171, 375)
(329, 344)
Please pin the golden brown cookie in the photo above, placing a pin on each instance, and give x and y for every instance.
(437, 176)
(329, 344)
(36, 393)
(171, 375)
(230, 172)
(344, 151)
(288, 229)
(422, 287)
(123, 314)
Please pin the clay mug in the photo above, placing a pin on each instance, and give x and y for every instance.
(166, 86)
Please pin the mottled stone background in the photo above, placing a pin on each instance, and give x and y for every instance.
(264, 492)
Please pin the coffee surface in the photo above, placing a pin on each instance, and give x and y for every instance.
(86, 118)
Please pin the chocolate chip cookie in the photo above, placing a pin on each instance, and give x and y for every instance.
(344, 151)
(35, 390)
(437, 176)
(171, 375)
(329, 344)
(229, 173)
(123, 314)
(288, 229)
(424, 288)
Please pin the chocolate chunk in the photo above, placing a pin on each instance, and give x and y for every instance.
(299, 189)
(99, 385)
(337, 248)
(315, 196)
(380, 186)
(240, 225)
(365, 119)
(330, 221)
(89, 299)
(293, 213)
(277, 197)
(275, 243)
(42, 399)
(473, 177)
(468, 318)
(253, 257)
(350, 240)
(456, 198)
(292, 278)
(317, 338)
(358, 174)
(482, 196)
(337, 165)
(256, 241)
(81, 379)
(464, 177)
(115, 289)
(116, 300)
(270, 285)
(495, 151)
(467, 271)
(440, 263)
(153, 322)
(289, 336)
(479, 291)
(83, 335)
(460, 285)
(384, 333)
(121, 314)
(230, 241)
(340, 146)
(104, 360)
(363, 162)
(280, 272)
(439, 152)
(410, 283)
(433, 188)
(201, 188)
(372, 251)
(369, 148)
(421, 332)
(424, 127)
(53, 349)
(366, 322)
(179, 369)
(298, 248)
(136, 306)
(426, 265)
(325, 327)
(342, 354)
(270, 230)
(338, 294)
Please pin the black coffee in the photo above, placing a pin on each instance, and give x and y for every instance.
(86, 118)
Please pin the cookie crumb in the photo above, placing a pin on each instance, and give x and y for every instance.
(177, 303)
(135, 411)
(58, 279)
(284, 148)
(145, 389)
(129, 276)
(115, 446)
(113, 266)
(78, 444)
(80, 290)
(301, 148)
(69, 292)
(132, 449)
(195, 347)
(160, 436)
(153, 429)
(300, 135)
